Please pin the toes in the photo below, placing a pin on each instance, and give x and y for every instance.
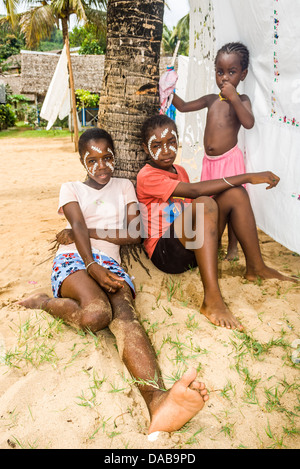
(188, 377)
(200, 388)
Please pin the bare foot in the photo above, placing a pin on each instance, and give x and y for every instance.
(36, 301)
(232, 253)
(219, 315)
(267, 273)
(179, 404)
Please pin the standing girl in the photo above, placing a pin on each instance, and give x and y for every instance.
(226, 113)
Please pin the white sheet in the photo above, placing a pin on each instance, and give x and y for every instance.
(270, 29)
(57, 102)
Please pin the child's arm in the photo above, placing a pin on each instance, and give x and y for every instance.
(101, 275)
(189, 106)
(128, 235)
(216, 186)
(241, 104)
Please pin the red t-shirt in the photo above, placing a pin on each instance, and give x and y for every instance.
(158, 208)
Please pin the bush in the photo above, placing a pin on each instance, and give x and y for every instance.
(85, 98)
(35, 120)
(7, 116)
(20, 105)
(91, 47)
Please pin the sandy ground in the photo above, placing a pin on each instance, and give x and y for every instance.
(62, 389)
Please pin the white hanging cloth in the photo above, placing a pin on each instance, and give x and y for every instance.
(57, 103)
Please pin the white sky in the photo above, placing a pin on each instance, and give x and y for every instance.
(178, 9)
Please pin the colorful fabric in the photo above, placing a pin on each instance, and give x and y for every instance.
(157, 206)
(167, 85)
(230, 163)
(68, 263)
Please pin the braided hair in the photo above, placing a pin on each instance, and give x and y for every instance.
(151, 123)
(95, 133)
(236, 48)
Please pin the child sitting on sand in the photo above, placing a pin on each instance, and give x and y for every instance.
(92, 291)
(183, 225)
(226, 113)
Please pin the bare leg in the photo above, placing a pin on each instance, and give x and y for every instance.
(169, 410)
(213, 306)
(232, 249)
(86, 307)
(234, 206)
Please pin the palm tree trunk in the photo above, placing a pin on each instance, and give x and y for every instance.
(71, 79)
(134, 32)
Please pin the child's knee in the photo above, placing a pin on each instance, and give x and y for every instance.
(238, 193)
(207, 204)
(96, 316)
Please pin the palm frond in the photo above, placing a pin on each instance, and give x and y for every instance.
(65, 8)
(11, 9)
(36, 24)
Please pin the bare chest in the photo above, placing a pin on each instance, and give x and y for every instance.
(221, 114)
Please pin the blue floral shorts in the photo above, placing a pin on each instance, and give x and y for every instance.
(66, 264)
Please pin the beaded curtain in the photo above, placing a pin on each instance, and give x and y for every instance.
(270, 29)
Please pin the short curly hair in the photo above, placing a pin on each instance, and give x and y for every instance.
(94, 133)
(235, 48)
(157, 120)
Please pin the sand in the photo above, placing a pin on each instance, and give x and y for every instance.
(60, 389)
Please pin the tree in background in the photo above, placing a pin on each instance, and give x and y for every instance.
(85, 98)
(11, 40)
(11, 12)
(55, 41)
(171, 37)
(7, 115)
(131, 75)
(38, 21)
(89, 38)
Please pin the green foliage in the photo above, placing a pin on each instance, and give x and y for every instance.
(20, 104)
(11, 40)
(91, 47)
(90, 39)
(77, 36)
(7, 116)
(171, 37)
(16, 98)
(36, 121)
(85, 98)
(55, 42)
(10, 45)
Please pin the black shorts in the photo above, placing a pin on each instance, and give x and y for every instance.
(171, 256)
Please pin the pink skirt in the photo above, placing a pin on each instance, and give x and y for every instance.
(229, 164)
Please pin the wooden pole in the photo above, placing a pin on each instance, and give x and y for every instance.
(73, 98)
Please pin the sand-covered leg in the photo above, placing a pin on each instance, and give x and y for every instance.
(84, 304)
(169, 410)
